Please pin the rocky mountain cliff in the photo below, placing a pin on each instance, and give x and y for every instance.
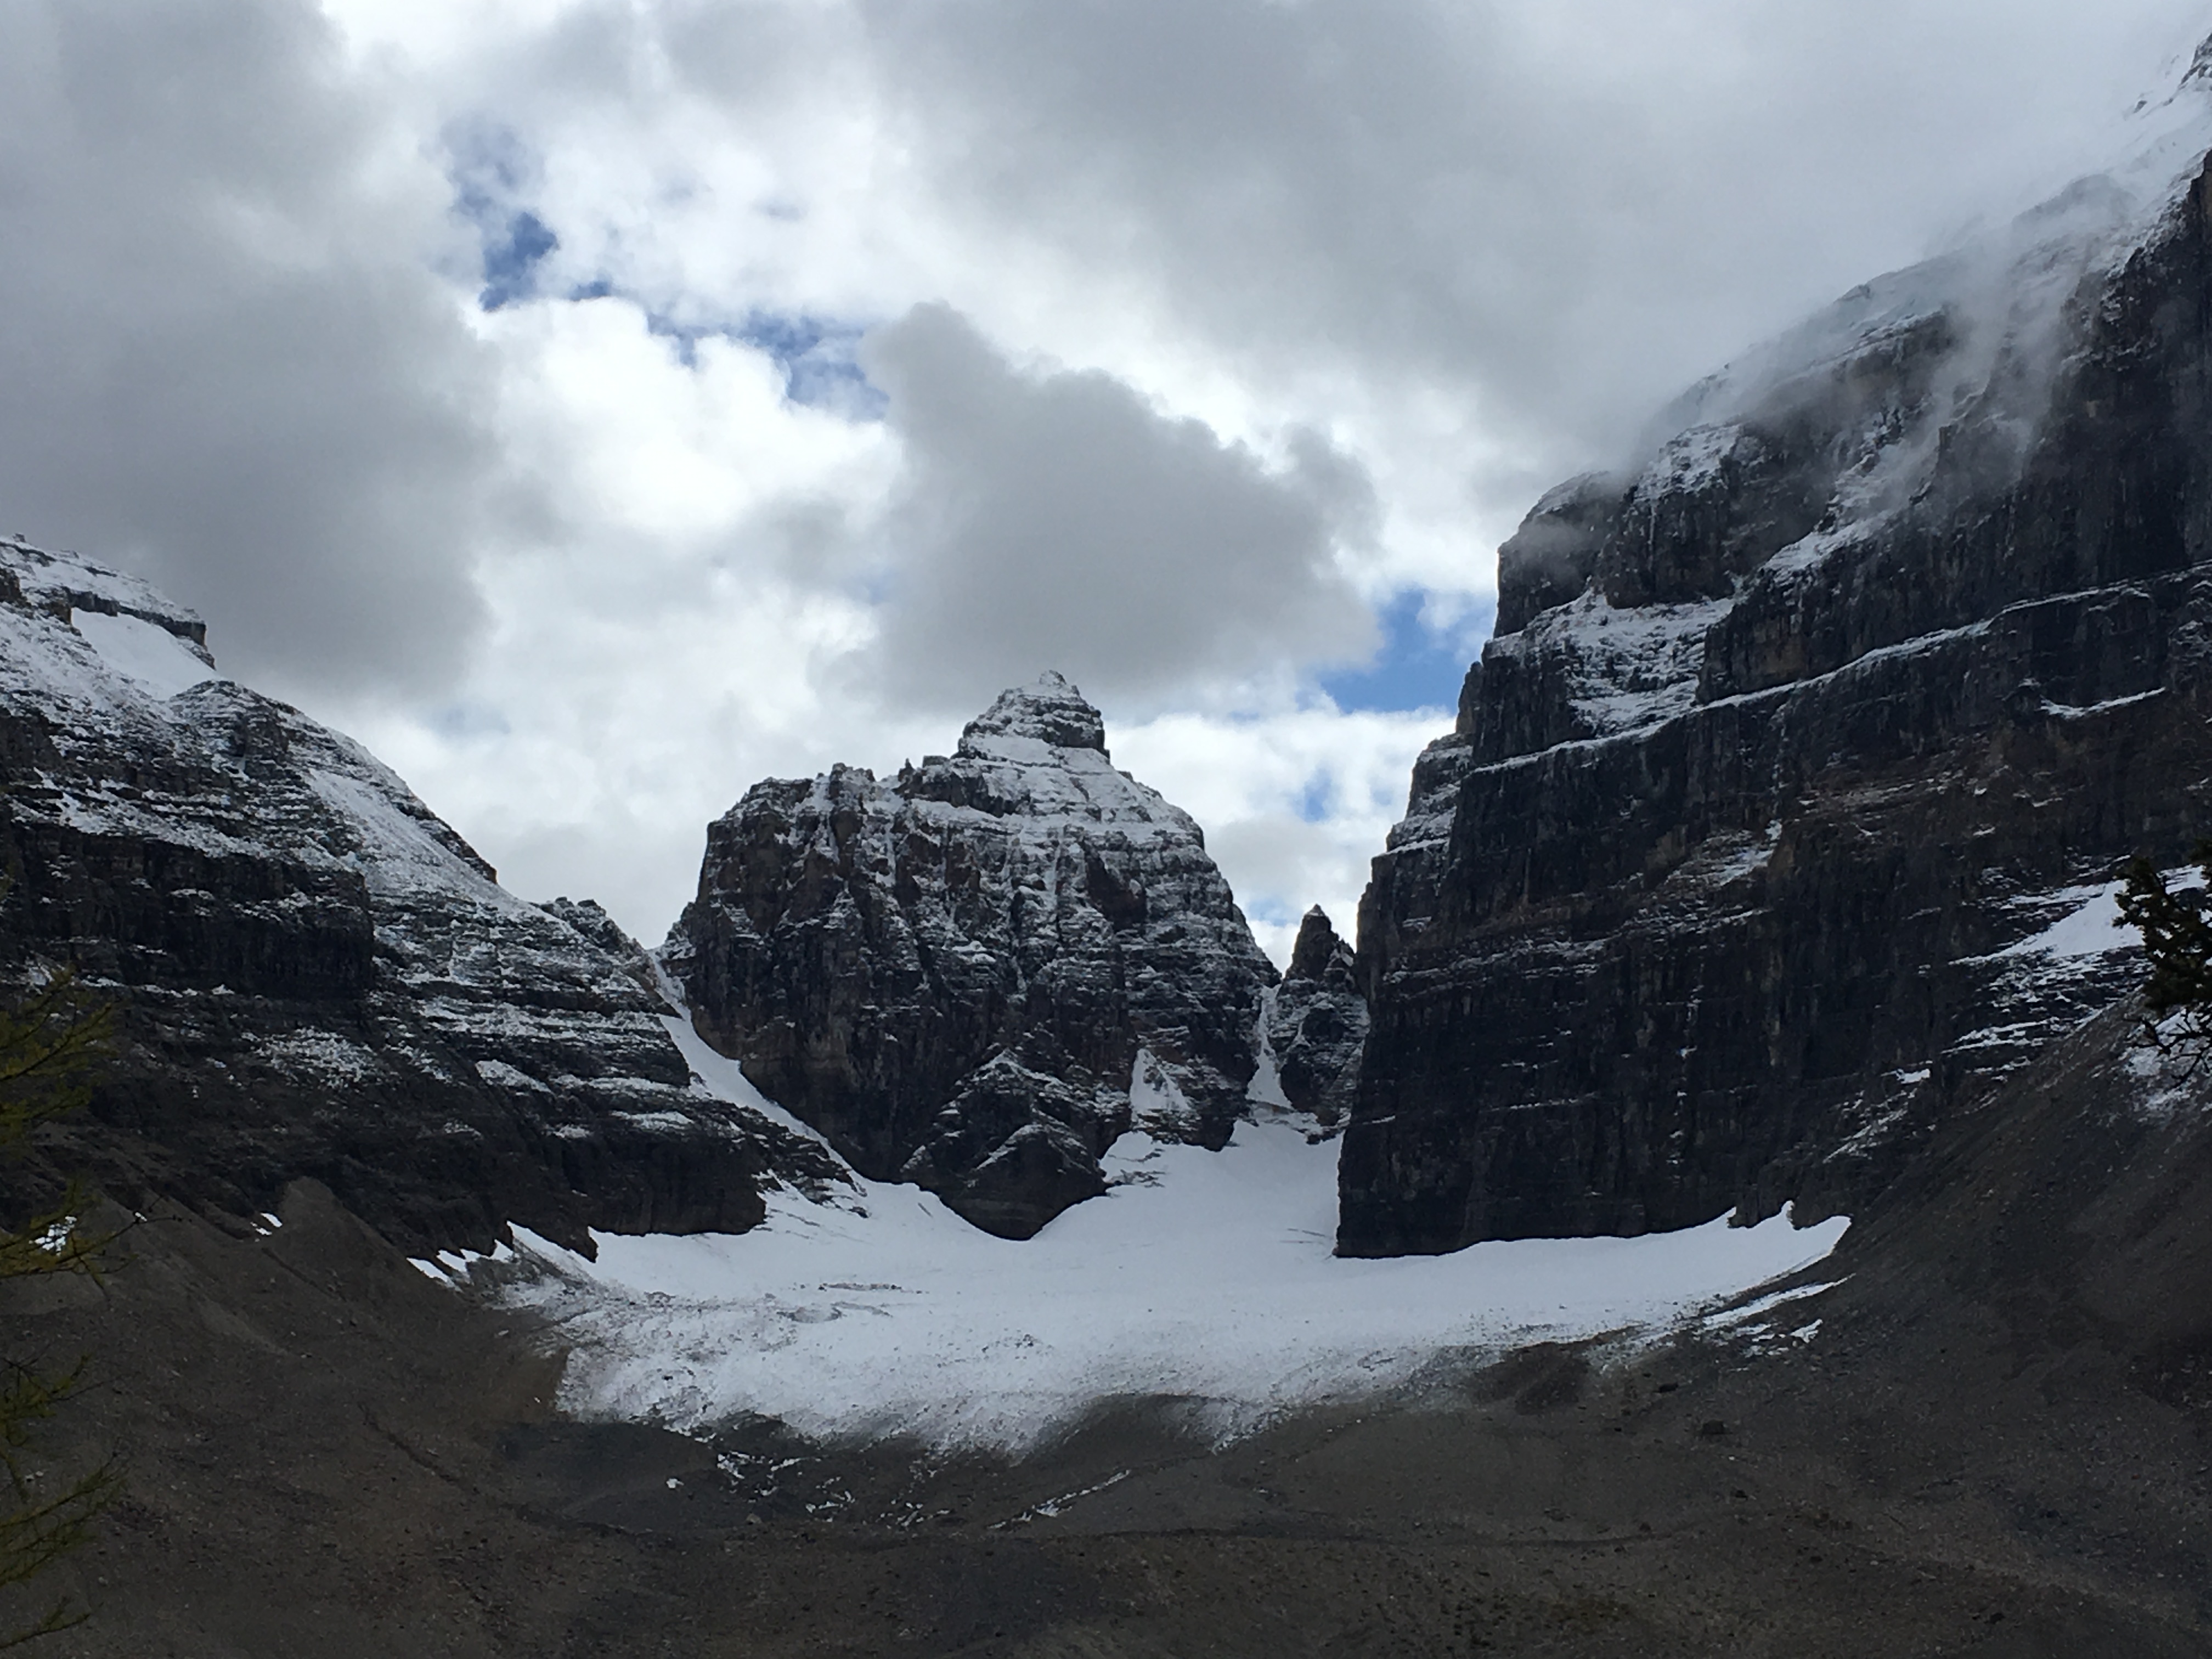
(978, 974)
(1317, 1023)
(1777, 822)
(315, 976)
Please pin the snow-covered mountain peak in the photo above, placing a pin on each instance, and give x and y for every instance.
(967, 977)
(67, 580)
(158, 648)
(1898, 616)
(316, 975)
(1764, 477)
(1989, 317)
(1048, 709)
(1035, 761)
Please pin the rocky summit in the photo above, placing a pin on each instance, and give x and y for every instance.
(314, 976)
(1779, 821)
(978, 975)
(1317, 1023)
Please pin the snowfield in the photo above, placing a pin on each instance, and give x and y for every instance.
(144, 651)
(1205, 1277)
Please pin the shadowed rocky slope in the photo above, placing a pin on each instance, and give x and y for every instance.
(1317, 1023)
(1734, 878)
(978, 976)
(1988, 1435)
(316, 977)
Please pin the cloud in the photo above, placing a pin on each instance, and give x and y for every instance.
(667, 634)
(1474, 244)
(1295, 804)
(228, 360)
(586, 568)
(1562, 214)
(1055, 518)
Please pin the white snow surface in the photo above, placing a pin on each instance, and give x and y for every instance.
(1691, 460)
(1632, 668)
(52, 577)
(1206, 1278)
(1050, 787)
(720, 1077)
(145, 651)
(2094, 926)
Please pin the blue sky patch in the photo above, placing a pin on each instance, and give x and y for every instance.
(820, 361)
(491, 170)
(1416, 665)
(1317, 799)
(510, 262)
(819, 356)
(494, 176)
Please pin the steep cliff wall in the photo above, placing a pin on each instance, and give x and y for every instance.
(1751, 856)
(315, 976)
(978, 975)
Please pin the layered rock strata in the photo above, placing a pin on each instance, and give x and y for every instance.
(977, 975)
(315, 976)
(1753, 854)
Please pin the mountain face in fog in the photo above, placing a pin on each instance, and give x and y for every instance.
(1777, 822)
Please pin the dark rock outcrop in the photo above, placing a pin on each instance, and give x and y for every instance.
(589, 918)
(978, 976)
(1734, 878)
(316, 977)
(1317, 1023)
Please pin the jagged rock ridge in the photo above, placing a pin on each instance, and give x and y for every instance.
(316, 976)
(977, 976)
(1317, 1023)
(1732, 880)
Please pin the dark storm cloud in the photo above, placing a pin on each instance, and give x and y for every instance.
(1567, 211)
(1056, 520)
(233, 357)
(226, 359)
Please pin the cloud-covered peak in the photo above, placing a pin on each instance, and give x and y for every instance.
(1047, 708)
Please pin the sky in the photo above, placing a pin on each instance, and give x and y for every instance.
(599, 406)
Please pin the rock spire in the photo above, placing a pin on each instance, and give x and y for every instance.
(978, 974)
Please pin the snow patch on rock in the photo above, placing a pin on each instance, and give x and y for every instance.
(145, 651)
